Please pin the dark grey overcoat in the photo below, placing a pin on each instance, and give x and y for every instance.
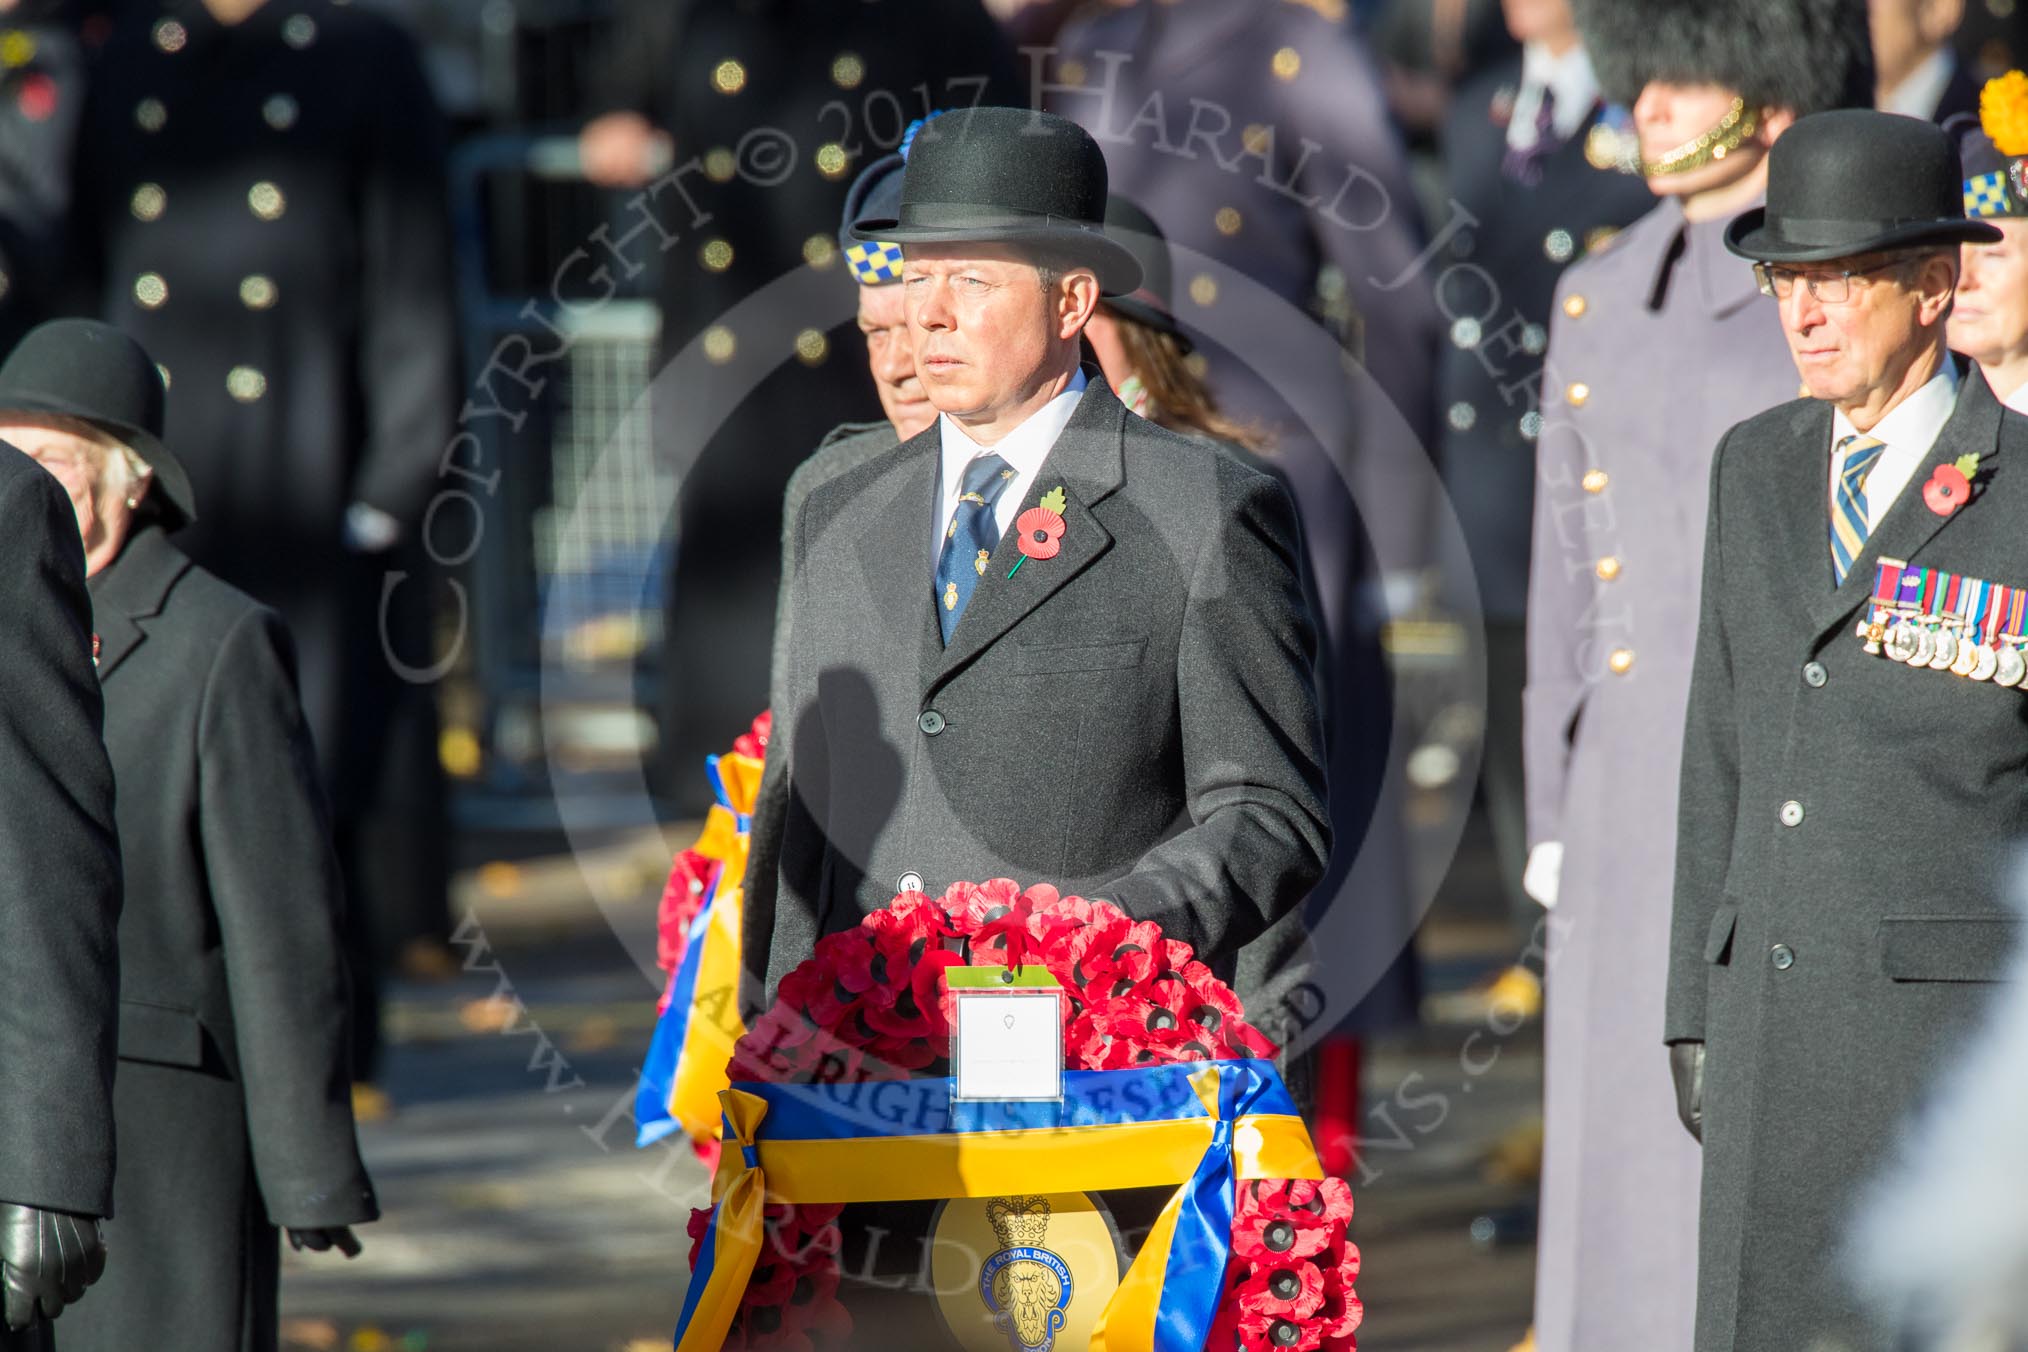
(233, 1099)
(1844, 822)
(1134, 718)
(59, 869)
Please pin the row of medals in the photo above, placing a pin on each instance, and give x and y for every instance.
(1940, 643)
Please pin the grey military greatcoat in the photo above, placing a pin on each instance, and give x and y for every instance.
(1659, 341)
(1133, 718)
(1845, 822)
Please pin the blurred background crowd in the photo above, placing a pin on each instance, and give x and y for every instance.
(410, 267)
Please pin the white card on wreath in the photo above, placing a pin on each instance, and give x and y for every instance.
(1008, 1044)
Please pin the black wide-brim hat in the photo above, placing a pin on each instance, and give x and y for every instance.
(1854, 181)
(81, 368)
(1149, 303)
(1008, 176)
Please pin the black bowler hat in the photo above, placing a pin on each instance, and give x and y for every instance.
(80, 368)
(1854, 181)
(1149, 304)
(1008, 176)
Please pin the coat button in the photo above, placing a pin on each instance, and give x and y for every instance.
(1595, 480)
(1607, 568)
(931, 722)
(1574, 306)
(1792, 813)
(1621, 661)
(1814, 675)
(908, 882)
(1577, 393)
(1782, 956)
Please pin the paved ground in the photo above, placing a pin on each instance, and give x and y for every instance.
(519, 1218)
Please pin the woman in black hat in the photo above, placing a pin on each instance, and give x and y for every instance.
(232, 1112)
(1989, 322)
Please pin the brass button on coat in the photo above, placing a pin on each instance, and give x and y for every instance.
(1595, 481)
(1607, 568)
(1621, 661)
(1577, 393)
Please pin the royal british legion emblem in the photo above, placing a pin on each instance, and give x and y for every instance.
(1024, 1285)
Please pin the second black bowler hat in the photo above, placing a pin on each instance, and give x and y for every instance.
(1854, 181)
(81, 368)
(1008, 176)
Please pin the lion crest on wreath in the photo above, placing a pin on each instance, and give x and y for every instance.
(1024, 1285)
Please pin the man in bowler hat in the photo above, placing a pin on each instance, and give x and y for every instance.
(1658, 342)
(1850, 783)
(59, 909)
(1129, 714)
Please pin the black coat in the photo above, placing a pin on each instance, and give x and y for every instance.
(1844, 824)
(59, 863)
(264, 206)
(233, 1102)
(1505, 268)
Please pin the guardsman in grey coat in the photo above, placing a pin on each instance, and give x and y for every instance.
(1658, 342)
(1515, 144)
(1133, 716)
(231, 1107)
(59, 909)
(1851, 787)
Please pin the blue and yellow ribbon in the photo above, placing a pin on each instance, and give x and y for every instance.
(1204, 1125)
(700, 1023)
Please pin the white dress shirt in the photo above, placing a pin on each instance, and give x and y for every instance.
(2018, 400)
(1910, 430)
(1024, 450)
(1569, 77)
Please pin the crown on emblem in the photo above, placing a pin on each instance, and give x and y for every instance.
(1019, 1222)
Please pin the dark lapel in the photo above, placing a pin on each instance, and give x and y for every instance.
(130, 590)
(1086, 463)
(1973, 429)
(894, 551)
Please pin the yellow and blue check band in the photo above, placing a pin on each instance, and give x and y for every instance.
(874, 262)
(1986, 195)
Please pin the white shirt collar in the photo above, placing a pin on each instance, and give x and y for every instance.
(1923, 89)
(2018, 400)
(1910, 431)
(1024, 449)
(1572, 80)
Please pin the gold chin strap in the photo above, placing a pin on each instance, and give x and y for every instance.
(1714, 145)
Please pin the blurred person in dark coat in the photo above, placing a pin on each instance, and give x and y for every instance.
(1812, 993)
(59, 912)
(1519, 157)
(41, 98)
(273, 228)
(232, 1104)
(1917, 67)
(1658, 342)
(725, 83)
(1256, 134)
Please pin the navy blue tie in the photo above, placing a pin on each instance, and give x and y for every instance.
(970, 538)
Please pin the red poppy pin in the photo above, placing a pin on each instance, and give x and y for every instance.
(1039, 530)
(1950, 486)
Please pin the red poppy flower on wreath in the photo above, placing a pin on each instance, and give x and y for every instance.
(1950, 486)
(754, 741)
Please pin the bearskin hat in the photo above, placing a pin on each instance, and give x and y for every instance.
(1803, 55)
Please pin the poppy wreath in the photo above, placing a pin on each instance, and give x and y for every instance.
(792, 1296)
(872, 1003)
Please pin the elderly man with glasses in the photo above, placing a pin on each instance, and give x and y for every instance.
(1855, 761)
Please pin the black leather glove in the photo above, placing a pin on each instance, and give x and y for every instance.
(1686, 1068)
(47, 1259)
(324, 1238)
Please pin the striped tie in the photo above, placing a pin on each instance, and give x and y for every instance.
(1848, 510)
